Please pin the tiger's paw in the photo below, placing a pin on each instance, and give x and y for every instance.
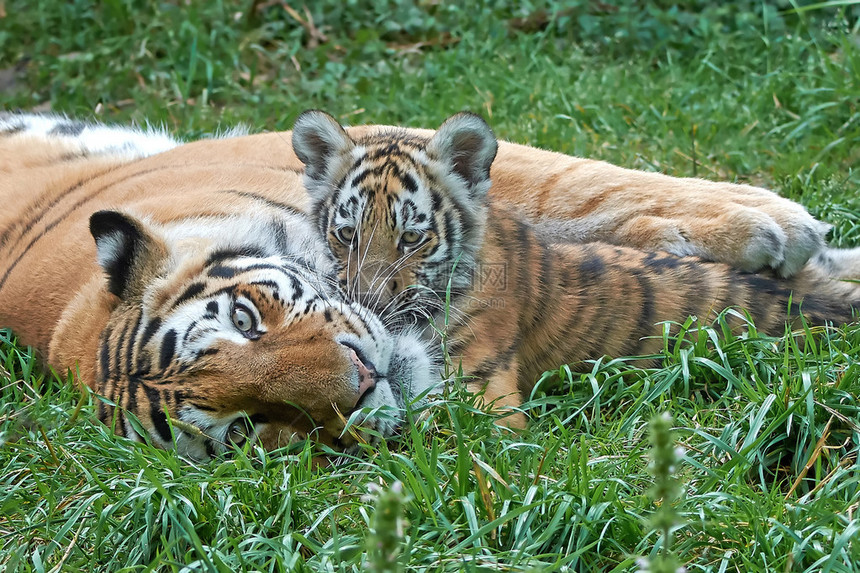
(761, 230)
(745, 236)
(782, 241)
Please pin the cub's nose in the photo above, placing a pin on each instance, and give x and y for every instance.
(367, 374)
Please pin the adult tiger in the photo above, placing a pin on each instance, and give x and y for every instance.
(417, 234)
(188, 289)
(194, 242)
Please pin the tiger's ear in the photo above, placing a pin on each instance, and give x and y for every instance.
(468, 145)
(127, 251)
(318, 140)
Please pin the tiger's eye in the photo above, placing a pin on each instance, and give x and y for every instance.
(238, 432)
(243, 319)
(345, 234)
(411, 237)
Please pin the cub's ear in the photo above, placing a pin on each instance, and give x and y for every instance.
(318, 139)
(468, 145)
(127, 252)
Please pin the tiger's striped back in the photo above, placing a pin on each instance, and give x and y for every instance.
(55, 137)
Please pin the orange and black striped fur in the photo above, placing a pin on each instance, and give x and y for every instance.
(193, 243)
(410, 219)
(188, 290)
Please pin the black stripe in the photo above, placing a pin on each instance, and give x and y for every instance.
(168, 349)
(70, 128)
(407, 210)
(117, 397)
(271, 203)
(355, 165)
(499, 361)
(120, 419)
(645, 324)
(591, 268)
(323, 219)
(696, 282)
(765, 285)
(129, 349)
(389, 152)
(469, 224)
(206, 352)
(298, 290)
(547, 259)
(282, 238)
(203, 407)
(132, 383)
(188, 330)
(157, 415)
(409, 183)
(193, 290)
(660, 262)
(358, 179)
(448, 241)
(73, 156)
(588, 280)
(436, 198)
(118, 348)
(223, 272)
(250, 251)
(265, 282)
(102, 414)
(104, 355)
(17, 127)
(31, 222)
(150, 329)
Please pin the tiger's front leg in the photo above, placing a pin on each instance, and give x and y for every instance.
(501, 392)
(575, 200)
(492, 371)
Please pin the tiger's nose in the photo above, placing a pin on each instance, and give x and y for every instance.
(367, 374)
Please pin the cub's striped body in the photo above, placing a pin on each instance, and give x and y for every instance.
(401, 210)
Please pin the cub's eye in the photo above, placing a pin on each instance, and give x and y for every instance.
(243, 320)
(345, 234)
(411, 238)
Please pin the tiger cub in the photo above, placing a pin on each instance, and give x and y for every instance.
(410, 220)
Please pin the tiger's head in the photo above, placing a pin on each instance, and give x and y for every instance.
(210, 343)
(404, 215)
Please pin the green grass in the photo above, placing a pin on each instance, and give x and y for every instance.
(771, 427)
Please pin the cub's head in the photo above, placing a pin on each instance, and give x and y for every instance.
(211, 345)
(404, 215)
